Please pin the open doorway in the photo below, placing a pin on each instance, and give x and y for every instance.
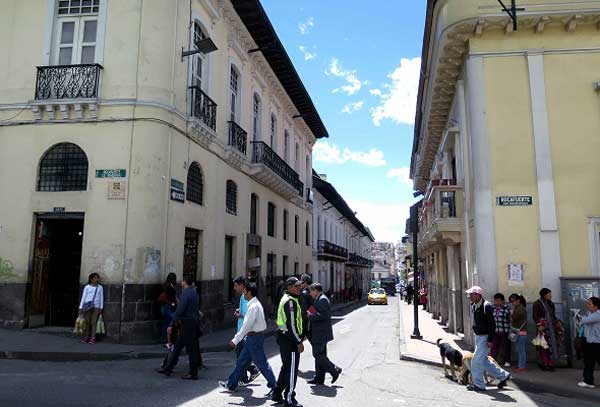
(56, 269)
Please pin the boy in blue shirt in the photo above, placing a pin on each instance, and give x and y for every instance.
(239, 286)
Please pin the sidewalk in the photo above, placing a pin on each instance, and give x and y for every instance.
(58, 344)
(562, 381)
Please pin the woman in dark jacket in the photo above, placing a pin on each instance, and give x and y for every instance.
(168, 303)
(544, 315)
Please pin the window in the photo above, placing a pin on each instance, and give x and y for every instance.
(307, 269)
(63, 168)
(308, 172)
(273, 132)
(195, 184)
(256, 113)
(231, 198)
(286, 146)
(254, 214)
(307, 234)
(271, 219)
(234, 80)
(296, 269)
(285, 266)
(296, 222)
(199, 61)
(285, 224)
(75, 32)
(297, 158)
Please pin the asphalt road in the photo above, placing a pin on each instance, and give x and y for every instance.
(366, 347)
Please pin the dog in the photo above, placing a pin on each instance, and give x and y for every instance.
(464, 375)
(454, 357)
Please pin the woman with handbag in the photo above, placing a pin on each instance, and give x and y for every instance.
(168, 302)
(518, 329)
(591, 346)
(91, 306)
(550, 330)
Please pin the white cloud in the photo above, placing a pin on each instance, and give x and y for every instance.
(387, 222)
(353, 83)
(353, 107)
(331, 154)
(308, 55)
(399, 102)
(375, 92)
(402, 174)
(307, 26)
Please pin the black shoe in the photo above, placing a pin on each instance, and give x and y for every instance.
(338, 372)
(472, 387)
(315, 382)
(276, 396)
(502, 383)
(294, 403)
(164, 371)
(270, 394)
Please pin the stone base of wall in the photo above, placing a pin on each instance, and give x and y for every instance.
(12, 305)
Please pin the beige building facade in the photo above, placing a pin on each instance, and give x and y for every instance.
(125, 157)
(504, 151)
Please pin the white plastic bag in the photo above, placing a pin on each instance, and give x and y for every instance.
(100, 329)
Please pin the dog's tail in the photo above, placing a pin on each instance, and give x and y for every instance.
(438, 342)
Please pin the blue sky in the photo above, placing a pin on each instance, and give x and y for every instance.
(360, 63)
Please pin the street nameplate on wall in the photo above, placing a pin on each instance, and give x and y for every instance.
(177, 192)
(516, 200)
(117, 189)
(117, 173)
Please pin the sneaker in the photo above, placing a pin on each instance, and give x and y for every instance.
(502, 383)
(507, 364)
(84, 340)
(253, 376)
(170, 347)
(472, 387)
(92, 341)
(223, 385)
(585, 385)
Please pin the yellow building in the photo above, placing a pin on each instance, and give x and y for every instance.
(505, 146)
(121, 154)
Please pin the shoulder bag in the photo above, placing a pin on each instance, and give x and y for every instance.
(88, 305)
(514, 333)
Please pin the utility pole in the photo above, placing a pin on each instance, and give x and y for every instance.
(414, 229)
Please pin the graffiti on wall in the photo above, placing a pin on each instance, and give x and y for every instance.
(7, 271)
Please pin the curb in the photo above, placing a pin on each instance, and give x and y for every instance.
(521, 382)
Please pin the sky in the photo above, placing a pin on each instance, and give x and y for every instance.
(360, 63)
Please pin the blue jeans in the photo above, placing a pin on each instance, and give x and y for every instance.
(167, 314)
(481, 363)
(521, 342)
(253, 351)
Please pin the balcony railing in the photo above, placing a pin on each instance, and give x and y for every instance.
(67, 81)
(327, 249)
(203, 107)
(237, 137)
(358, 260)
(263, 154)
(443, 204)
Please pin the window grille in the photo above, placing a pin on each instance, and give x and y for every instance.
(63, 168)
(231, 198)
(195, 184)
(71, 7)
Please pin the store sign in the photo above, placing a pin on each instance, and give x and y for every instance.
(58, 209)
(177, 192)
(117, 189)
(118, 173)
(516, 200)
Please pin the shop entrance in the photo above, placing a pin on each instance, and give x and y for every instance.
(56, 269)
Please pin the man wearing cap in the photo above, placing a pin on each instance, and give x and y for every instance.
(289, 339)
(484, 328)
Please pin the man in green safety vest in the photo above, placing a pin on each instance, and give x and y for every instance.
(289, 339)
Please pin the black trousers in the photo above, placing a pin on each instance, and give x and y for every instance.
(322, 363)
(251, 368)
(188, 338)
(591, 356)
(288, 376)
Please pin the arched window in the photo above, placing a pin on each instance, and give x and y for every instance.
(195, 184)
(273, 132)
(63, 168)
(234, 93)
(254, 214)
(297, 158)
(296, 227)
(256, 117)
(285, 224)
(231, 198)
(307, 237)
(271, 226)
(286, 146)
(308, 171)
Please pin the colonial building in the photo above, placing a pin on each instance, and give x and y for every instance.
(506, 134)
(341, 243)
(384, 260)
(143, 138)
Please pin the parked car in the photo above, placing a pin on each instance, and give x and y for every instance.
(377, 296)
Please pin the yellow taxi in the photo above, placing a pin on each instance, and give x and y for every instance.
(377, 296)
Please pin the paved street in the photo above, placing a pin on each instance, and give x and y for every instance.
(366, 347)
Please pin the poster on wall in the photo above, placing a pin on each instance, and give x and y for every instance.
(515, 274)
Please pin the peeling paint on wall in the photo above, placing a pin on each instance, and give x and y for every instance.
(7, 271)
(107, 262)
(147, 266)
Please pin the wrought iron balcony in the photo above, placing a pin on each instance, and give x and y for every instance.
(203, 107)
(358, 260)
(237, 137)
(67, 82)
(441, 216)
(328, 250)
(263, 154)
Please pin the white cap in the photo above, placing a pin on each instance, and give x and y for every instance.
(475, 290)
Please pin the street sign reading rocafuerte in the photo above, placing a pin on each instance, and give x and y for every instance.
(514, 200)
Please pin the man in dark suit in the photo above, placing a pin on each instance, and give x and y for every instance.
(319, 316)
